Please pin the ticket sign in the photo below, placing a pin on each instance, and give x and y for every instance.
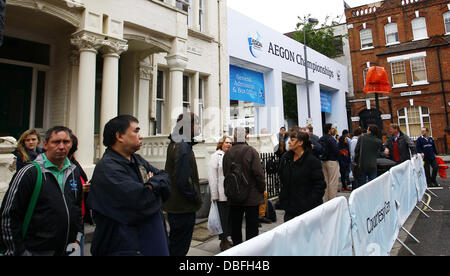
(325, 101)
(246, 85)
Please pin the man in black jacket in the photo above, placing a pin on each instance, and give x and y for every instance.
(2, 19)
(56, 221)
(330, 164)
(126, 196)
(185, 199)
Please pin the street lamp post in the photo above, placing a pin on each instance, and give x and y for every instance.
(310, 21)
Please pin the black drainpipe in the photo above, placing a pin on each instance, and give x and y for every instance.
(443, 94)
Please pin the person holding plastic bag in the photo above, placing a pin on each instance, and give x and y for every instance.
(216, 177)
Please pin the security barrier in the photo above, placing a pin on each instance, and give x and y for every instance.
(324, 231)
(370, 220)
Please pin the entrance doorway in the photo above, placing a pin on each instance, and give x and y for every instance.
(290, 104)
(15, 93)
(370, 117)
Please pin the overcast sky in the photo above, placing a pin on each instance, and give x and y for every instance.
(282, 15)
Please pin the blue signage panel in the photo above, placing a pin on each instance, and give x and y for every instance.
(246, 85)
(325, 101)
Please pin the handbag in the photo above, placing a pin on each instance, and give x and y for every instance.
(356, 166)
(33, 201)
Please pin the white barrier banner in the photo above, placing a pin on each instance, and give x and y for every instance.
(324, 231)
(420, 178)
(405, 192)
(374, 217)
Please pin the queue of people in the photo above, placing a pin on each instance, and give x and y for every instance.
(126, 196)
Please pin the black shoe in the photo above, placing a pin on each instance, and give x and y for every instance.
(265, 220)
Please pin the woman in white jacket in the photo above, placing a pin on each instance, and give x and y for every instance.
(216, 177)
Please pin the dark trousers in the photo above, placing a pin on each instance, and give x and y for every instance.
(181, 230)
(251, 222)
(224, 213)
(345, 176)
(431, 178)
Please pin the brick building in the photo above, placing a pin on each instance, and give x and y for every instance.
(411, 40)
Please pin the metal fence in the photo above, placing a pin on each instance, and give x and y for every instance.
(270, 163)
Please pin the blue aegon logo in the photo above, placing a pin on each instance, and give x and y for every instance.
(372, 223)
(255, 45)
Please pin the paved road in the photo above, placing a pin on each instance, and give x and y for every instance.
(434, 232)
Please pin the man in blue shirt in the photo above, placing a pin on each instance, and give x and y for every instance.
(425, 145)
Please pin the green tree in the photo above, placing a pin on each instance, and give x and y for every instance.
(320, 39)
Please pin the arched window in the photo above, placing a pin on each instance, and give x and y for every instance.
(366, 38)
(412, 119)
(419, 27)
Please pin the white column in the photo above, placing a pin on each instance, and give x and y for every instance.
(88, 45)
(195, 94)
(73, 102)
(177, 64)
(145, 77)
(110, 84)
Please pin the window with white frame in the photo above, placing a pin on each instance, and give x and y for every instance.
(160, 95)
(419, 27)
(201, 15)
(398, 73)
(186, 93)
(366, 38)
(447, 22)
(412, 119)
(185, 5)
(391, 32)
(418, 70)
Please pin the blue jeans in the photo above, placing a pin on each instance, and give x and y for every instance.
(366, 177)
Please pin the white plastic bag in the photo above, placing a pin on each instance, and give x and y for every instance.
(214, 225)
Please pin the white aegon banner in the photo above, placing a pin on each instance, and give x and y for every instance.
(420, 179)
(324, 231)
(374, 217)
(405, 192)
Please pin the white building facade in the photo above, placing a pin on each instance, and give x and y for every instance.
(79, 63)
(261, 59)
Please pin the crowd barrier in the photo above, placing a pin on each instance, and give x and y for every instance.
(369, 222)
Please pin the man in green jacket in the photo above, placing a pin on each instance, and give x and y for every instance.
(185, 199)
(367, 155)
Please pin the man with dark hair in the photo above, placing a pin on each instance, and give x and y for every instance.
(185, 199)
(250, 163)
(126, 196)
(426, 146)
(367, 150)
(2, 19)
(56, 223)
(330, 161)
(399, 147)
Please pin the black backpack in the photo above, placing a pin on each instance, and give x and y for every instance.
(235, 184)
(323, 156)
(270, 211)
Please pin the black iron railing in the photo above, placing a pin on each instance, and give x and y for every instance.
(270, 163)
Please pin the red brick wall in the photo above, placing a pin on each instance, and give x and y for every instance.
(432, 93)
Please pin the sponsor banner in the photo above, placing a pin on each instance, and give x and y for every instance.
(420, 179)
(374, 217)
(246, 85)
(405, 192)
(324, 231)
(325, 101)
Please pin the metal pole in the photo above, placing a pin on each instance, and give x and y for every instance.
(306, 72)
